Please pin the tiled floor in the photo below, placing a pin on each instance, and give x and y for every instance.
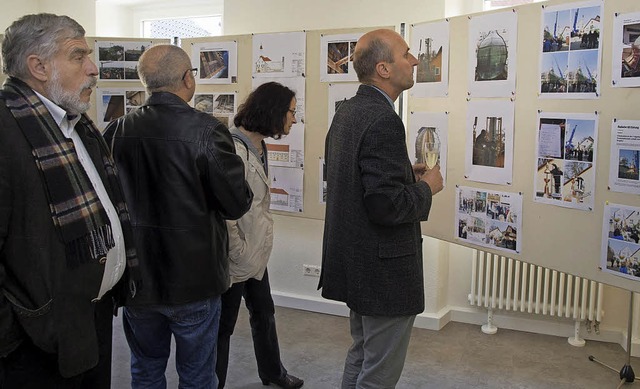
(459, 356)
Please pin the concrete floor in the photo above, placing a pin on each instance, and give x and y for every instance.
(459, 356)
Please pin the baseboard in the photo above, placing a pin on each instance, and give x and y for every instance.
(538, 324)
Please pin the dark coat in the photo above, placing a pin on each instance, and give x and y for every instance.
(41, 297)
(181, 179)
(372, 251)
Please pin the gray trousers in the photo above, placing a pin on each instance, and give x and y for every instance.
(376, 357)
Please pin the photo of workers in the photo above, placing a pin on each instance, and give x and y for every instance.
(565, 151)
(489, 142)
(489, 218)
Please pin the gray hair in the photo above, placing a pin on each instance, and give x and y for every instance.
(366, 58)
(39, 34)
(162, 67)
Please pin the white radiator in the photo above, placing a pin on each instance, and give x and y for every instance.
(498, 282)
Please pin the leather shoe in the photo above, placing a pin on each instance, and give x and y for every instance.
(286, 382)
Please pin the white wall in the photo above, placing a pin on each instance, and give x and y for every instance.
(12, 10)
(250, 16)
(83, 11)
(114, 20)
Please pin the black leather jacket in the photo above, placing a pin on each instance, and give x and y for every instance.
(181, 180)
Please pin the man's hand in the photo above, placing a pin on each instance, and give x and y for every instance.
(418, 170)
(433, 178)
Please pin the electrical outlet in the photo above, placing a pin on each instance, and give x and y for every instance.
(311, 270)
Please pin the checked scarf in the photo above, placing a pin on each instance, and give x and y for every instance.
(77, 213)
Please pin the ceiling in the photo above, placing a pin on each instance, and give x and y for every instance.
(126, 2)
(136, 3)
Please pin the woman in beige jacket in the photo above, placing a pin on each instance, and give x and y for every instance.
(269, 111)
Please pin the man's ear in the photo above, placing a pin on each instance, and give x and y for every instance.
(189, 82)
(37, 68)
(383, 70)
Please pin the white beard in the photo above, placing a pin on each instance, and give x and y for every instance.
(68, 100)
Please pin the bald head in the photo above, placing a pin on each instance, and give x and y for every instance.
(163, 67)
(372, 48)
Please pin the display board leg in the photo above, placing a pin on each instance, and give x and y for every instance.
(626, 373)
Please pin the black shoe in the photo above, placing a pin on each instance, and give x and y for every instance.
(286, 382)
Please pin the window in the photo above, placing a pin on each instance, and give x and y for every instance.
(183, 27)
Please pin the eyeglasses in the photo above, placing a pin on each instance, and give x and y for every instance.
(293, 111)
(193, 71)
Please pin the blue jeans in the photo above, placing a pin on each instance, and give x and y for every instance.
(194, 326)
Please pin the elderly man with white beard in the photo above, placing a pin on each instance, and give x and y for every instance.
(66, 254)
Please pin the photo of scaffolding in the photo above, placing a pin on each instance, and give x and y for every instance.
(571, 52)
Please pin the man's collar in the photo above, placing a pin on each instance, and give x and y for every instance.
(383, 93)
(59, 114)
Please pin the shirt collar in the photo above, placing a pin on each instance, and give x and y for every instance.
(59, 115)
(384, 94)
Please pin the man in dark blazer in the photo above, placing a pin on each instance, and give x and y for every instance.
(372, 251)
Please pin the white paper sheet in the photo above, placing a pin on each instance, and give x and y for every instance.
(492, 54)
(489, 141)
(624, 159)
(566, 178)
(217, 62)
(489, 218)
(430, 45)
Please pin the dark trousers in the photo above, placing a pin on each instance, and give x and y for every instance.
(28, 367)
(257, 297)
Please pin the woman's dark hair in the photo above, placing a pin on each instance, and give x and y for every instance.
(265, 109)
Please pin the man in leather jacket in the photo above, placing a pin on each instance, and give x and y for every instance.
(183, 179)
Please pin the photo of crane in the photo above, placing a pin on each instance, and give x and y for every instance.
(571, 52)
